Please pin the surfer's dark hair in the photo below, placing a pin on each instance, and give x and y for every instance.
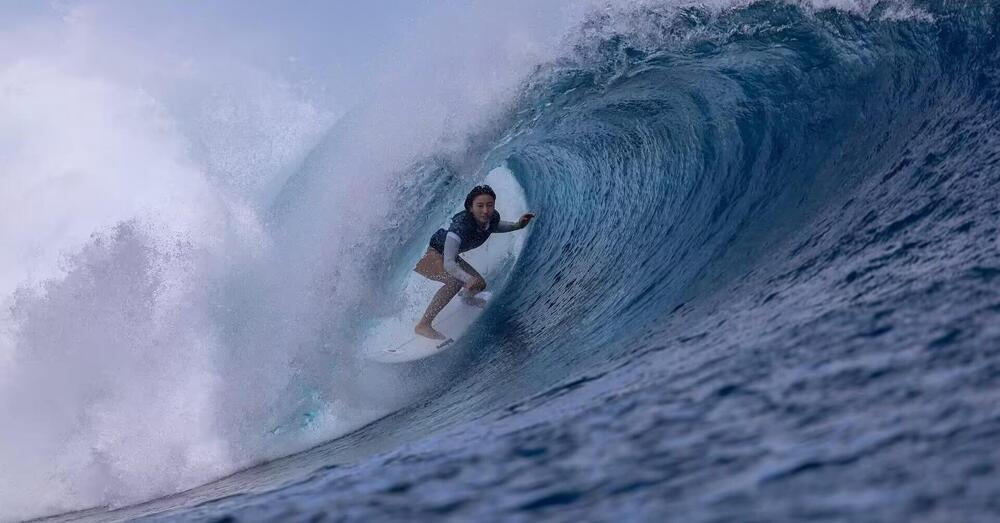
(478, 191)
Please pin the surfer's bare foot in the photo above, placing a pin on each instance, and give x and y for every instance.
(428, 332)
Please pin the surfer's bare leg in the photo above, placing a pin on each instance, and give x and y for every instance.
(431, 266)
(441, 298)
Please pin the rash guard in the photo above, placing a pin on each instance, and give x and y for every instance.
(465, 234)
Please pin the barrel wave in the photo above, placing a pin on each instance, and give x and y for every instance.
(762, 286)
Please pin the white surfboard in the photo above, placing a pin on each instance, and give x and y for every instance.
(401, 344)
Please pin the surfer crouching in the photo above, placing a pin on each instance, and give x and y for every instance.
(469, 229)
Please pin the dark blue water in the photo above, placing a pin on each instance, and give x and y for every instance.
(764, 285)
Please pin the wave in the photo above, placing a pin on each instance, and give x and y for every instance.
(715, 146)
(776, 213)
(762, 198)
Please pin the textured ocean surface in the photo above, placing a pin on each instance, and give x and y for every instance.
(764, 285)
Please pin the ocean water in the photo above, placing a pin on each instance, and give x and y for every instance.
(763, 285)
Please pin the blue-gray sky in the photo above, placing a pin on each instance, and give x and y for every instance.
(340, 45)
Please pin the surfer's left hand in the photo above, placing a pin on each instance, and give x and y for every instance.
(525, 219)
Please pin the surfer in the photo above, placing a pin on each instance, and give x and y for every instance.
(469, 229)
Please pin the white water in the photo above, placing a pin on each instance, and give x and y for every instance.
(152, 331)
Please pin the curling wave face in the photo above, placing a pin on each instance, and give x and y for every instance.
(713, 148)
(763, 275)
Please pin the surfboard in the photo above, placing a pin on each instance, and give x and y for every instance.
(404, 346)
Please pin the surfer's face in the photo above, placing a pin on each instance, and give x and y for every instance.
(482, 208)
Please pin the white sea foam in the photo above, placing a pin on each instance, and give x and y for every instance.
(154, 331)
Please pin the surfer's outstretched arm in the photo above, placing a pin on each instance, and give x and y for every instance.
(505, 226)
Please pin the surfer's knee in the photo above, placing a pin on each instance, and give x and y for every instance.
(478, 285)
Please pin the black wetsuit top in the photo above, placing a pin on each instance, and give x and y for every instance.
(464, 224)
